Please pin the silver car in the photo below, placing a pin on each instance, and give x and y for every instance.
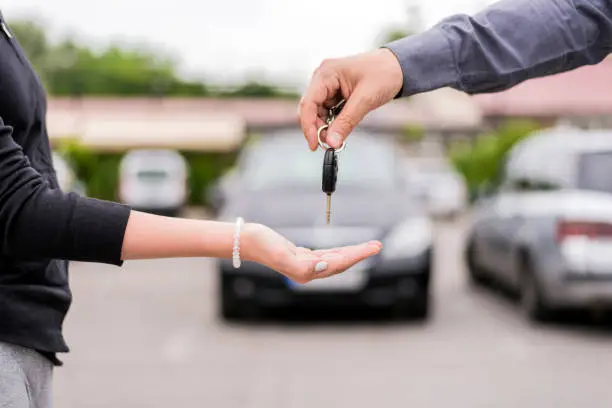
(546, 232)
(154, 181)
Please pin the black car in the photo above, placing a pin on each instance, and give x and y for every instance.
(277, 182)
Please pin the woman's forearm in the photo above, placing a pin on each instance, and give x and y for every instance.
(150, 236)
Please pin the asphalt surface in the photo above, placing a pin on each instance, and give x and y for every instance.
(146, 335)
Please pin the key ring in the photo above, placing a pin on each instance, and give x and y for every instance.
(333, 111)
(325, 146)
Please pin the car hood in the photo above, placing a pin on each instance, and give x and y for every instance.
(356, 216)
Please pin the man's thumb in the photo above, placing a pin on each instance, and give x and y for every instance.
(354, 111)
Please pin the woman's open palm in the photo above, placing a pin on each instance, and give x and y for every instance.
(302, 265)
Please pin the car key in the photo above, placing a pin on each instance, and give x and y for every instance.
(330, 177)
(330, 160)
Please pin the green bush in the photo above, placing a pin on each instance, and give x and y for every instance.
(204, 169)
(413, 133)
(100, 170)
(481, 162)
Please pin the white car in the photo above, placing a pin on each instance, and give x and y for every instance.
(154, 181)
(443, 188)
(66, 176)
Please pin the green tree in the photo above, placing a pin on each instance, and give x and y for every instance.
(71, 68)
(395, 34)
(481, 163)
(254, 89)
(74, 70)
(35, 44)
(413, 25)
(34, 41)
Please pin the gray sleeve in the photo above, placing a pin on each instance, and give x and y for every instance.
(507, 43)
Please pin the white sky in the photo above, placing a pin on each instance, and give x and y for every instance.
(226, 40)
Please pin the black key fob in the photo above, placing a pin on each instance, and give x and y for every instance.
(330, 171)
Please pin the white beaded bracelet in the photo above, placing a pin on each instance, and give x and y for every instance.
(236, 249)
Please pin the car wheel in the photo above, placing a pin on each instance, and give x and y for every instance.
(412, 310)
(421, 308)
(475, 273)
(417, 308)
(232, 308)
(229, 308)
(532, 301)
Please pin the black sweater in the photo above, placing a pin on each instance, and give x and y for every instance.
(41, 227)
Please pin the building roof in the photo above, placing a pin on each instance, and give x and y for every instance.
(442, 109)
(212, 124)
(585, 91)
(448, 109)
(120, 124)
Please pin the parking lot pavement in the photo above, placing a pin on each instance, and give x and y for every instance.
(146, 336)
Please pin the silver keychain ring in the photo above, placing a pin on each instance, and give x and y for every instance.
(325, 146)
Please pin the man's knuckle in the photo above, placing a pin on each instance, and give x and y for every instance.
(327, 68)
(327, 62)
(369, 99)
(346, 122)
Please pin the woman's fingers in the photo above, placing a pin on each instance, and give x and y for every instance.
(308, 265)
(339, 250)
(341, 259)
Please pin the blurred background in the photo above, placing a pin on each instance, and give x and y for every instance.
(494, 285)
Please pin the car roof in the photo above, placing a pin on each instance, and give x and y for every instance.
(153, 153)
(364, 140)
(574, 141)
(153, 158)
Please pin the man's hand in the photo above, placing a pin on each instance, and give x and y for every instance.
(262, 245)
(367, 81)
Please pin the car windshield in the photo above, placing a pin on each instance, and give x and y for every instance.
(152, 175)
(286, 163)
(427, 171)
(594, 171)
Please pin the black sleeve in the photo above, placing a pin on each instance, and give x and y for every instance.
(40, 222)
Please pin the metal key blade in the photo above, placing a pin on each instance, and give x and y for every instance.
(328, 210)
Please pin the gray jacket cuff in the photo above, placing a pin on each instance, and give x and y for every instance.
(427, 61)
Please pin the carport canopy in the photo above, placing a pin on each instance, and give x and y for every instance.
(119, 131)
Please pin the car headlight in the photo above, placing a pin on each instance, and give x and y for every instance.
(412, 237)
